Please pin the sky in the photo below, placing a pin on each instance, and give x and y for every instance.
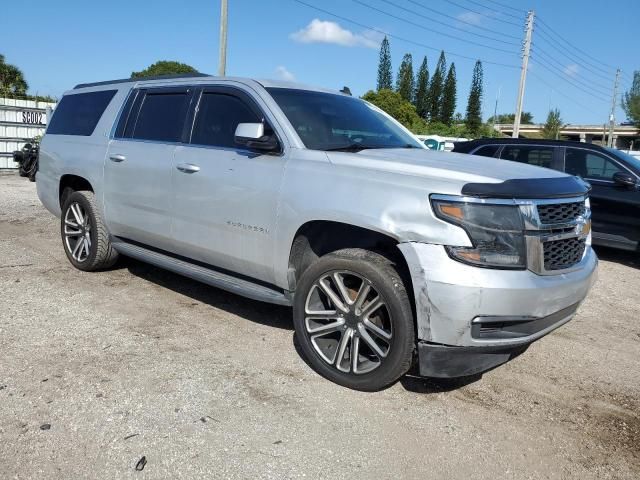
(577, 44)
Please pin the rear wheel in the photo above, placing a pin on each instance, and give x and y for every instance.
(84, 235)
(354, 321)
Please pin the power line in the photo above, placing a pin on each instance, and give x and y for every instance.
(483, 14)
(460, 20)
(413, 12)
(402, 39)
(502, 5)
(551, 59)
(571, 57)
(575, 85)
(573, 101)
(494, 10)
(432, 30)
(577, 49)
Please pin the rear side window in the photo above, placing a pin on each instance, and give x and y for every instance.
(80, 113)
(217, 119)
(162, 116)
(487, 150)
(533, 155)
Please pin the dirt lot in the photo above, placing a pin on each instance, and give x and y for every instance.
(137, 361)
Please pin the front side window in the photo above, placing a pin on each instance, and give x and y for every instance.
(161, 117)
(532, 155)
(327, 121)
(78, 114)
(587, 164)
(217, 119)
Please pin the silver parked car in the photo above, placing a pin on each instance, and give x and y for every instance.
(390, 254)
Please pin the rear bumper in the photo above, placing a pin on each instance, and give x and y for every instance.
(472, 319)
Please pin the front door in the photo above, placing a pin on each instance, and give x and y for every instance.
(225, 197)
(615, 208)
(138, 167)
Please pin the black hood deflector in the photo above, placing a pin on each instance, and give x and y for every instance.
(534, 188)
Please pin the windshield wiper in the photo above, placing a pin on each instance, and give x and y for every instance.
(356, 147)
(351, 147)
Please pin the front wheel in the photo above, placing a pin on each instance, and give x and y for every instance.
(84, 235)
(353, 319)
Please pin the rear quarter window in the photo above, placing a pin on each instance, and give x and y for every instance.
(78, 114)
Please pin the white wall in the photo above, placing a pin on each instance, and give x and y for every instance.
(20, 121)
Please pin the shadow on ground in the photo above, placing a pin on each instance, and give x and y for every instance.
(269, 315)
(259, 312)
(623, 257)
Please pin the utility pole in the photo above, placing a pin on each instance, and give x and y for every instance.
(495, 111)
(222, 66)
(523, 73)
(612, 116)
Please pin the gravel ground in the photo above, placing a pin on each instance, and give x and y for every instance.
(100, 369)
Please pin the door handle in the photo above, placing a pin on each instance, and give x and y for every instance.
(188, 168)
(116, 157)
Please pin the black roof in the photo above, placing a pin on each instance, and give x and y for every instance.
(141, 79)
(468, 145)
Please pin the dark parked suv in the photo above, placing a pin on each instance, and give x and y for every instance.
(613, 175)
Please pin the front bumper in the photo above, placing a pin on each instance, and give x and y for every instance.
(459, 305)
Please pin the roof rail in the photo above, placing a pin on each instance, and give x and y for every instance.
(142, 79)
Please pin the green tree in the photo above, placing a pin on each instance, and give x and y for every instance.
(164, 67)
(436, 89)
(553, 125)
(12, 80)
(405, 81)
(473, 120)
(422, 90)
(526, 118)
(631, 100)
(396, 106)
(449, 97)
(385, 75)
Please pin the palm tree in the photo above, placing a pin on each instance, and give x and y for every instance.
(12, 80)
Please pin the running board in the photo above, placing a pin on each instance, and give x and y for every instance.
(211, 277)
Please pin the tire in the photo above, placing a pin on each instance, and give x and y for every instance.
(91, 248)
(328, 333)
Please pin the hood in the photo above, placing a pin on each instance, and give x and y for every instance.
(451, 166)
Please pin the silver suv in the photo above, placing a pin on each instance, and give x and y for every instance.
(390, 255)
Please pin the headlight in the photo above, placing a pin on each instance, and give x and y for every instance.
(496, 232)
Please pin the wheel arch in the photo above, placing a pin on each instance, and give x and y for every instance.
(316, 238)
(72, 183)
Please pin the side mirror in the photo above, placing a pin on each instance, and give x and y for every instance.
(624, 179)
(251, 135)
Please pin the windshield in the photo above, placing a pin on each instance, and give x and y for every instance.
(634, 162)
(326, 121)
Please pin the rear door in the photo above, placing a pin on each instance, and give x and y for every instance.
(545, 156)
(224, 195)
(138, 166)
(615, 208)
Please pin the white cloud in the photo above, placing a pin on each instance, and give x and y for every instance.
(571, 70)
(321, 31)
(470, 18)
(284, 74)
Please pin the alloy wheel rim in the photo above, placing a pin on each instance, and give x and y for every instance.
(348, 322)
(77, 232)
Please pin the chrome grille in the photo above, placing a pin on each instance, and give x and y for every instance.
(561, 254)
(556, 213)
